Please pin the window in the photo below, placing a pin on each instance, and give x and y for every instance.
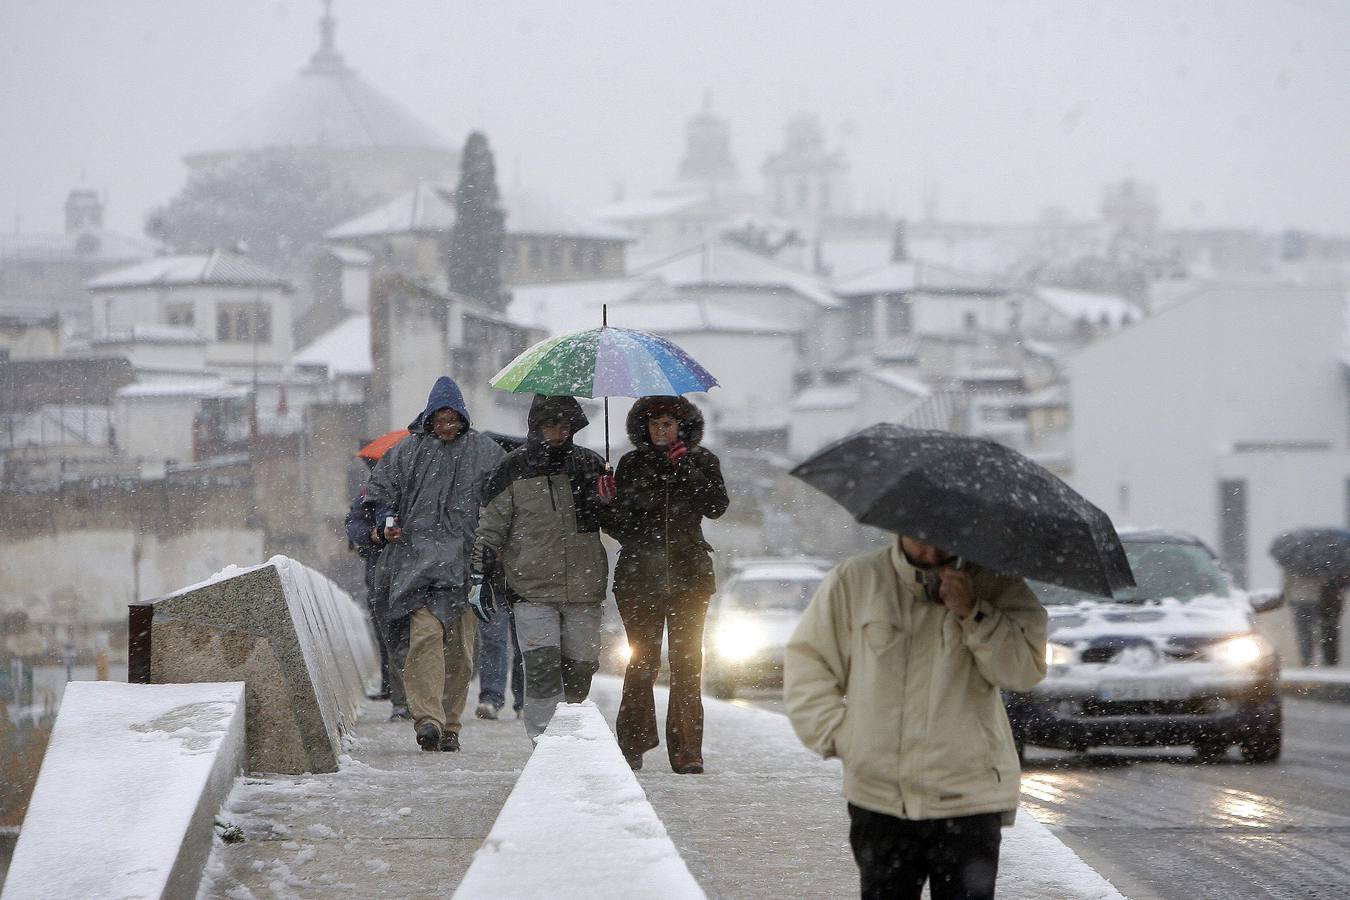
(897, 315)
(597, 259)
(860, 317)
(244, 323)
(578, 259)
(536, 258)
(555, 256)
(1233, 527)
(181, 314)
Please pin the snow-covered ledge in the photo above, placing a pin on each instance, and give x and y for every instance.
(578, 824)
(127, 797)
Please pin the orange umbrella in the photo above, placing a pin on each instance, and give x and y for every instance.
(380, 446)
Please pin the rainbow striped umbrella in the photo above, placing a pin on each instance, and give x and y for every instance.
(604, 362)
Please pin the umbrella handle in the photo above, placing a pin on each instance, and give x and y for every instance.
(606, 434)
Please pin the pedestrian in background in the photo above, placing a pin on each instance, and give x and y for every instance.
(499, 661)
(541, 524)
(364, 535)
(896, 669)
(666, 486)
(1315, 602)
(427, 493)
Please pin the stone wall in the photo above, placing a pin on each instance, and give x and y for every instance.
(302, 646)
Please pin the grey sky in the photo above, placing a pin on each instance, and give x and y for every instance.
(1238, 111)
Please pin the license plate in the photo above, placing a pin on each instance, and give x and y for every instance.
(1126, 691)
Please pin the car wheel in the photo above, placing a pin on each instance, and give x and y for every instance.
(1211, 750)
(722, 689)
(1261, 742)
(1262, 746)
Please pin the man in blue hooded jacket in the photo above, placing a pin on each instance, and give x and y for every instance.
(431, 483)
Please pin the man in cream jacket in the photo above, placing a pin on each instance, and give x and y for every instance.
(896, 669)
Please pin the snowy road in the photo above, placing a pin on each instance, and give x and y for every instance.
(1159, 824)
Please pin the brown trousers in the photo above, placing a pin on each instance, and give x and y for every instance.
(439, 668)
(644, 619)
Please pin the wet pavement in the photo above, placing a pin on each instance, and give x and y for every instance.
(1158, 823)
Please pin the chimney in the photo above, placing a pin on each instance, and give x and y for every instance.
(83, 210)
(899, 246)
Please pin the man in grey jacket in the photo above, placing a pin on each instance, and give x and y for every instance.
(430, 485)
(896, 668)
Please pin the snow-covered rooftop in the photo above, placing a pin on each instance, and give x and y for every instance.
(429, 208)
(327, 105)
(84, 244)
(644, 208)
(824, 397)
(723, 264)
(900, 382)
(911, 275)
(344, 349)
(571, 306)
(214, 268)
(1096, 308)
(695, 314)
(203, 388)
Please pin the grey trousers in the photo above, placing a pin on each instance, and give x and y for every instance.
(560, 643)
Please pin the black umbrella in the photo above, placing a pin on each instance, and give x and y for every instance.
(974, 498)
(1314, 552)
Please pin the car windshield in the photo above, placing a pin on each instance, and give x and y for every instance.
(1181, 571)
(791, 594)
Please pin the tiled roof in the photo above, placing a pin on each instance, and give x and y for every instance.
(430, 209)
(722, 264)
(216, 267)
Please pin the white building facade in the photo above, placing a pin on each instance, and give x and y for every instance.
(1227, 416)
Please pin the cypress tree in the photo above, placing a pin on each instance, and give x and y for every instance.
(480, 226)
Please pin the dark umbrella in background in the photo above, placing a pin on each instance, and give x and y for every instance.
(974, 498)
(1319, 552)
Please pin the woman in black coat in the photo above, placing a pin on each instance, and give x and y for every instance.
(666, 486)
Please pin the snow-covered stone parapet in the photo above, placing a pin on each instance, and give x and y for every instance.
(301, 644)
(578, 824)
(130, 785)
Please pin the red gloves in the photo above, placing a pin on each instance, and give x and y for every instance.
(606, 488)
(676, 450)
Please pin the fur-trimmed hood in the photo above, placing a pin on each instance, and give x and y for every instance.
(688, 415)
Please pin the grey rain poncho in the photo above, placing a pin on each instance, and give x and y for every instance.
(434, 487)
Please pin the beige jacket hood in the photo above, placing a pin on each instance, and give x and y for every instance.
(907, 694)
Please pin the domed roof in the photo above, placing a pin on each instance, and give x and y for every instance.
(326, 106)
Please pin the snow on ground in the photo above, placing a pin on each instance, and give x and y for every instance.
(117, 797)
(1315, 675)
(578, 825)
(768, 820)
(771, 814)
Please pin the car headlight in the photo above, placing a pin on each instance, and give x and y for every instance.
(738, 640)
(1242, 650)
(1058, 655)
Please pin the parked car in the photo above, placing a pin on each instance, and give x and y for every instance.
(750, 620)
(1174, 660)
